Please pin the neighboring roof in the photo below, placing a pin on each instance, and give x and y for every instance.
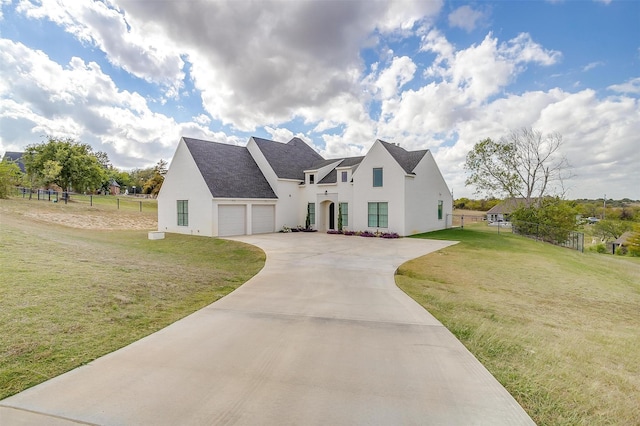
(622, 240)
(229, 170)
(16, 157)
(408, 160)
(507, 206)
(290, 160)
(114, 183)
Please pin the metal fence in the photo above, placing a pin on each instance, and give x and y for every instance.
(550, 234)
(459, 220)
(127, 202)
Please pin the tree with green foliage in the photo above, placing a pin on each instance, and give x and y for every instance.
(484, 204)
(10, 176)
(154, 183)
(552, 219)
(611, 228)
(633, 242)
(340, 217)
(525, 164)
(64, 162)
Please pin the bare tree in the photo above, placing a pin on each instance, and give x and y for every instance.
(525, 164)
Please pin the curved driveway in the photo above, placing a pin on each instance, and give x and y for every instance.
(321, 336)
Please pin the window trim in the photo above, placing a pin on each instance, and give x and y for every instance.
(344, 209)
(344, 176)
(312, 179)
(381, 183)
(378, 214)
(312, 213)
(440, 209)
(183, 214)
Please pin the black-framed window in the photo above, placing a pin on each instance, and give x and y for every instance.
(312, 179)
(183, 213)
(377, 177)
(440, 207)
(312, 213)
(344, 211)
(378, 215)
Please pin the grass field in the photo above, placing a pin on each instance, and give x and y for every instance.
(71, 294)
(558, 328)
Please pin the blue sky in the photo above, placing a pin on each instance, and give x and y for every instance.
(131, 77)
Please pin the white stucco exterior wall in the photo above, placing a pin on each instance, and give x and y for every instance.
(183, 181)
(288, 203)
(422, 195)
(391, 192)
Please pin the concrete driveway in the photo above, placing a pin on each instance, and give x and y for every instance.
(321, 336)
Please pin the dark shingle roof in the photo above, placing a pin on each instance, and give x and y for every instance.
(16, 157)
(408, 160)
(351, 161)
(332, 177)
(508, 206)
(229, 170)
(322, 163)
(288, 160)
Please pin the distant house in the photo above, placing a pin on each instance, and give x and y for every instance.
(621, 241)
(114, 187)
(501, 212)
(216, 189)
(16, 157)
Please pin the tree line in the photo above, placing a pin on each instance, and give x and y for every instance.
(529, 166)
(73, 166)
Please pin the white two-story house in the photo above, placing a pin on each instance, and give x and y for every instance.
(216, 189)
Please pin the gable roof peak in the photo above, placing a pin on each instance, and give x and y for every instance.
(228, 170)
(408, 160)
(288, 160)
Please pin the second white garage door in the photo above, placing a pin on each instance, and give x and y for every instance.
(231, 220)
(263, 219)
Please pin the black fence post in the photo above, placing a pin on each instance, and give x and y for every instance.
(140, 206)
(118, 203)
(91, 200)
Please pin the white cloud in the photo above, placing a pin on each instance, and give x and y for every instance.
(3, 3)
(137, 47)
(630, 87)
(39, 98)
(399, 73)
(465, 17)
(255, 65)
(592, 65)
(484, 69)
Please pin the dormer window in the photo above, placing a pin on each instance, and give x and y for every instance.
(344, 176)
(312, 179)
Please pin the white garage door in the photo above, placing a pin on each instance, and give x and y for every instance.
(263, 219)
(231, 220)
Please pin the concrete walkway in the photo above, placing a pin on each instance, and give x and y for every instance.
(321, 336)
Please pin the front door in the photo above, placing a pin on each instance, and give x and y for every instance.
(332, 219)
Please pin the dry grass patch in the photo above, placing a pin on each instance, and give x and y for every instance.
(558, 328)
(70, 294)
